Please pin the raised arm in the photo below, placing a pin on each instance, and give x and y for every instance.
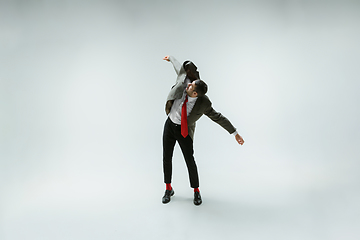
(176, 64)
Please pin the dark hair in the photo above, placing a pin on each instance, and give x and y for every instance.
(189, 65)
(201, 87)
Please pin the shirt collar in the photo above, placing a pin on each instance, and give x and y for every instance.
(189, 98)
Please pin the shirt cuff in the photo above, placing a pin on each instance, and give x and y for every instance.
(234, 133)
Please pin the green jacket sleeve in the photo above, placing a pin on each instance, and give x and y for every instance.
(220, 119)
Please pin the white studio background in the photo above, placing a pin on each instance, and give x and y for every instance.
(82, 93)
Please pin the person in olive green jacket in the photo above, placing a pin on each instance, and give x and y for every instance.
(185, 104)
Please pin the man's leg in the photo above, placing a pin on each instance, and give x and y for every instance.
(186, 145)
(187, 148)
(168, 149)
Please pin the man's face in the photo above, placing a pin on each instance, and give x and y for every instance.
(190, 89)
(192, 73)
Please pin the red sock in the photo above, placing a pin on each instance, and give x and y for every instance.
(196, 189)
(168, 186)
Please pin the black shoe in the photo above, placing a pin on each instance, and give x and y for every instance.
(197, 198)
(168, 194)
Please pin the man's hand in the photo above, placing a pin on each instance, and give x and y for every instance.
(167, 58)
(239, 139)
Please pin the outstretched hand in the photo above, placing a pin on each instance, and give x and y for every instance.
(167, 58)
(239, 139)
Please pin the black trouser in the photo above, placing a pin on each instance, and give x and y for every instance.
(172, 133)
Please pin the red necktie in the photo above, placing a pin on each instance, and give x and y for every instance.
(184, 125)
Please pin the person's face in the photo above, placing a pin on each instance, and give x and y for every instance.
(192, 73)
(190, 89)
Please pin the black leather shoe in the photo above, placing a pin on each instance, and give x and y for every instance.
(168, 194)
(197, 198)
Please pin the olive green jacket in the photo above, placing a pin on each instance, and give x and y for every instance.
(202, 104)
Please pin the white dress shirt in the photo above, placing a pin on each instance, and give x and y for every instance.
(175, 112)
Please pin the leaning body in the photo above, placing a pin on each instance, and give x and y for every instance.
(185, 104)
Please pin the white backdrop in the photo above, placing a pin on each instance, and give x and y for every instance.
(82, 93)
